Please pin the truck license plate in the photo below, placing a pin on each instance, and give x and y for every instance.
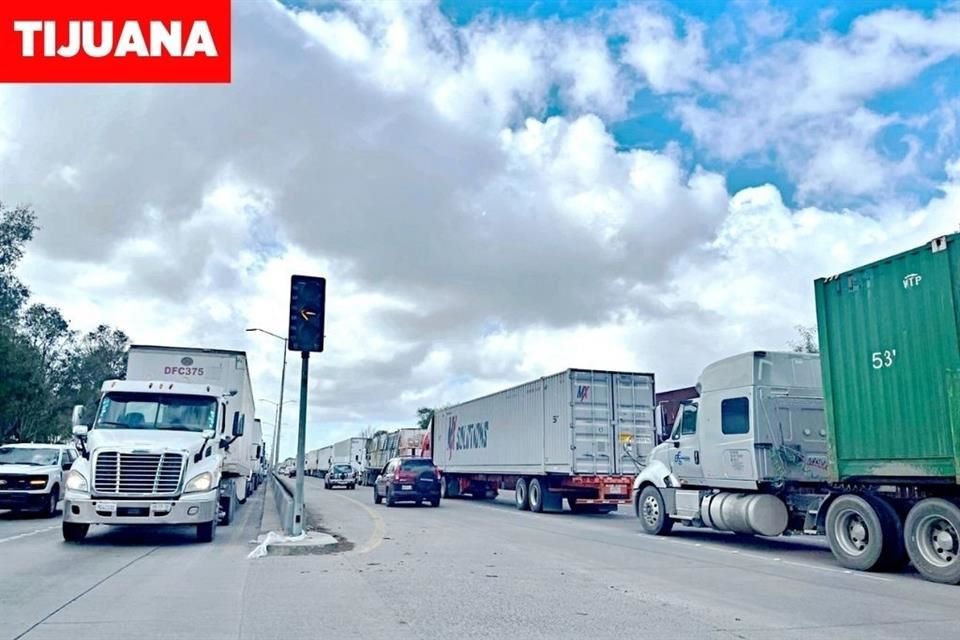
(617, 488)
(406, 487)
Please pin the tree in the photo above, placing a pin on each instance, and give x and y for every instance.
(44, 370)
(100, 356)
(424, 415)
(807, 342)
(16, 230)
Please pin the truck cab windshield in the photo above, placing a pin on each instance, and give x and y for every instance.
(169, 412)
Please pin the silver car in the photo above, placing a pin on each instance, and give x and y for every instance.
(341, 475)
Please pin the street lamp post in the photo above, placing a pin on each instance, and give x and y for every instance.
(273, 440)
(283, 377)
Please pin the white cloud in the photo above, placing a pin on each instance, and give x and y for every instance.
(468, 246)
(806, 100)
(666, 60)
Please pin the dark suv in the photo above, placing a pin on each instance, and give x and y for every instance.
(408, 480)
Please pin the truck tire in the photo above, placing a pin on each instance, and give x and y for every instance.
(75, 531)
(652, 512)
(933, 540)
(229, 509)
(521, 495)
(50, 507)
(207, 531)
(535, 491)
(894, 555)
(855, 531)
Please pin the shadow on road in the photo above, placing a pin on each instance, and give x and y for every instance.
(134, 536)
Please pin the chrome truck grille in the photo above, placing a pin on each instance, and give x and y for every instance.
(137, 474)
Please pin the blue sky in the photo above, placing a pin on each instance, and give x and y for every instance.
(651, 122)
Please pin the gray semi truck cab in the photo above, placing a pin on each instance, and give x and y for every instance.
(749, 455)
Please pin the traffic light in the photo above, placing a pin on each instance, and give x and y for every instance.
(307, 302)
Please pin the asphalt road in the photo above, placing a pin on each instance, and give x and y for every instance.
(464, 570)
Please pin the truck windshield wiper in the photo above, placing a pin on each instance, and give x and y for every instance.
(114, 424)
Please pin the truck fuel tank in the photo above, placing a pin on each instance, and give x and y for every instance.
(758, 513)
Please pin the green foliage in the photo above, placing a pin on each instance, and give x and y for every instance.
(424, 415)
(45, 368)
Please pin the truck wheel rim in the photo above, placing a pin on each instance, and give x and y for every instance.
(534, 494)
(938, 541)
(851, 533)
(651, 511)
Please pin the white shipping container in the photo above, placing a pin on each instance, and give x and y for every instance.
(311, 462)
(325, 457)
(351, 451)
(574, 422)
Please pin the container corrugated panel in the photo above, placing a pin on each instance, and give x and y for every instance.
(889, 353)
(573, 422)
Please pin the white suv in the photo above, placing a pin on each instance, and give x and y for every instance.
(31, 476)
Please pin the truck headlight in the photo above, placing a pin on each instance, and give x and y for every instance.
(75, 481)
(202, 482)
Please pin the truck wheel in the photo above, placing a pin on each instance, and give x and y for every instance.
(376, 496)
(50, 508)
(652, 512)
(229, 509)
(520, 493)
(894, 556)
(933, 540)
(207, 531)
(855, 532)
(535, 490)
(74, 531)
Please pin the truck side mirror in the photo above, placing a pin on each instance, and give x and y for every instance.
(237, 425)
(80, 431)
(77, 416)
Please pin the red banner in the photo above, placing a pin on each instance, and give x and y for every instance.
(108, 41)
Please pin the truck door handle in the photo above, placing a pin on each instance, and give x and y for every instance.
(696, 457)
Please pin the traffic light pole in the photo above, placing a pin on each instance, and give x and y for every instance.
(301, 445)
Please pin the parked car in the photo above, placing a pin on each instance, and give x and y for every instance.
(340, 475)
(408, 480)
(31, 476)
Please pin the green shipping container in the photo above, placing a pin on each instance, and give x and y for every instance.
(890, 361)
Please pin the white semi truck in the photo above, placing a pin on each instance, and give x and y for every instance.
(169, 445)
(352, 451)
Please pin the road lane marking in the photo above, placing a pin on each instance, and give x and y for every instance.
(81, 594)
(28, 534)
(712, 547)
(776, 560)
(379, 527)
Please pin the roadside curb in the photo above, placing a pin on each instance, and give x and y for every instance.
(273, 539)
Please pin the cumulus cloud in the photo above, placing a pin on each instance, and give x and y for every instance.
(469, 241)
(807, 101)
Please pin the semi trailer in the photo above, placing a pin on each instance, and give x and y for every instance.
(555, 438)
(860, 443)
(382, 447)
(168, 445)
